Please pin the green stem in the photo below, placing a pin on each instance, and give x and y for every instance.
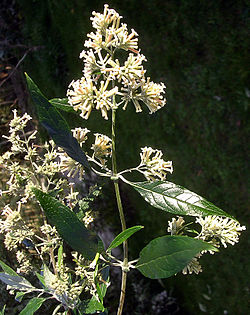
(121, 213)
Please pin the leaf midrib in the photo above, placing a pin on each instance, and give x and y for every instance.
(179, 200)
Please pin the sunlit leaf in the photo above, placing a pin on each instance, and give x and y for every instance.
(165, 256)
(90, 306)
(120, 238)
(16, 282)
(7, 269)
(176, 199)
(33, 305)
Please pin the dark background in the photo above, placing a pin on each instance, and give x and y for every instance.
(199, 50)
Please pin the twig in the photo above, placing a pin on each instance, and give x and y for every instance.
(19, 62)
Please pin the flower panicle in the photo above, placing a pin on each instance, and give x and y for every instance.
(129, 83)
(224, 230)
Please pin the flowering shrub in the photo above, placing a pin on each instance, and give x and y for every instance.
(45, 177)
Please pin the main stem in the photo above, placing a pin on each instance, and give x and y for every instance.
(122, 218)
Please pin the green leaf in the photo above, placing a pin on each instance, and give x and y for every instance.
(33, 305)
(120, 238)
(16, 282)
(176, 199)
(3, 310)
(62, 104)
(165, 256)
(71, 229)
(7, 269)
(55, 124)
(90, 306)
(19, 296)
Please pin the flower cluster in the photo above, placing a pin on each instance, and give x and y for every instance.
(175, 226)
(224, 230)
(102, 147)
(152, 164)
(14, 229)
(214, 230)
(84, 95)
(98, 88)
(193, 266)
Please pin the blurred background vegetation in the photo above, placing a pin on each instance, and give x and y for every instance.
(199, 49)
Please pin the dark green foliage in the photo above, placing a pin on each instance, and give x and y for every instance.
(55, 124)
(70, 228)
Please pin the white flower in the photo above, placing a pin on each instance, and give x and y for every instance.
(225, 230)
(80, 134)
(110, 33)
(175, 226)
(102, 147)
(153, 165)
(88, 218)
(144, 91)
(84, 95)
(132, 68)
(18, 123)
(101, 21)
(70, 166)
(193, 266)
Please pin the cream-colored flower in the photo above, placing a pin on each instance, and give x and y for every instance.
(80, 134)
(14, 228)
(131, 70)
(101, 21)
(93, 66)
(193, 266)
(143, 90)
(102, 147)
(19, 122)
(103, 98)
(153, 165)
(72, 196)
(70, 166)
(13, 217)
(126, 41)
(151, 95)
(225, 230)
(110, 33)
(83, 95)
(175, 226)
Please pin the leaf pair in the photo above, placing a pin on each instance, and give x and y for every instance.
(167, 255)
